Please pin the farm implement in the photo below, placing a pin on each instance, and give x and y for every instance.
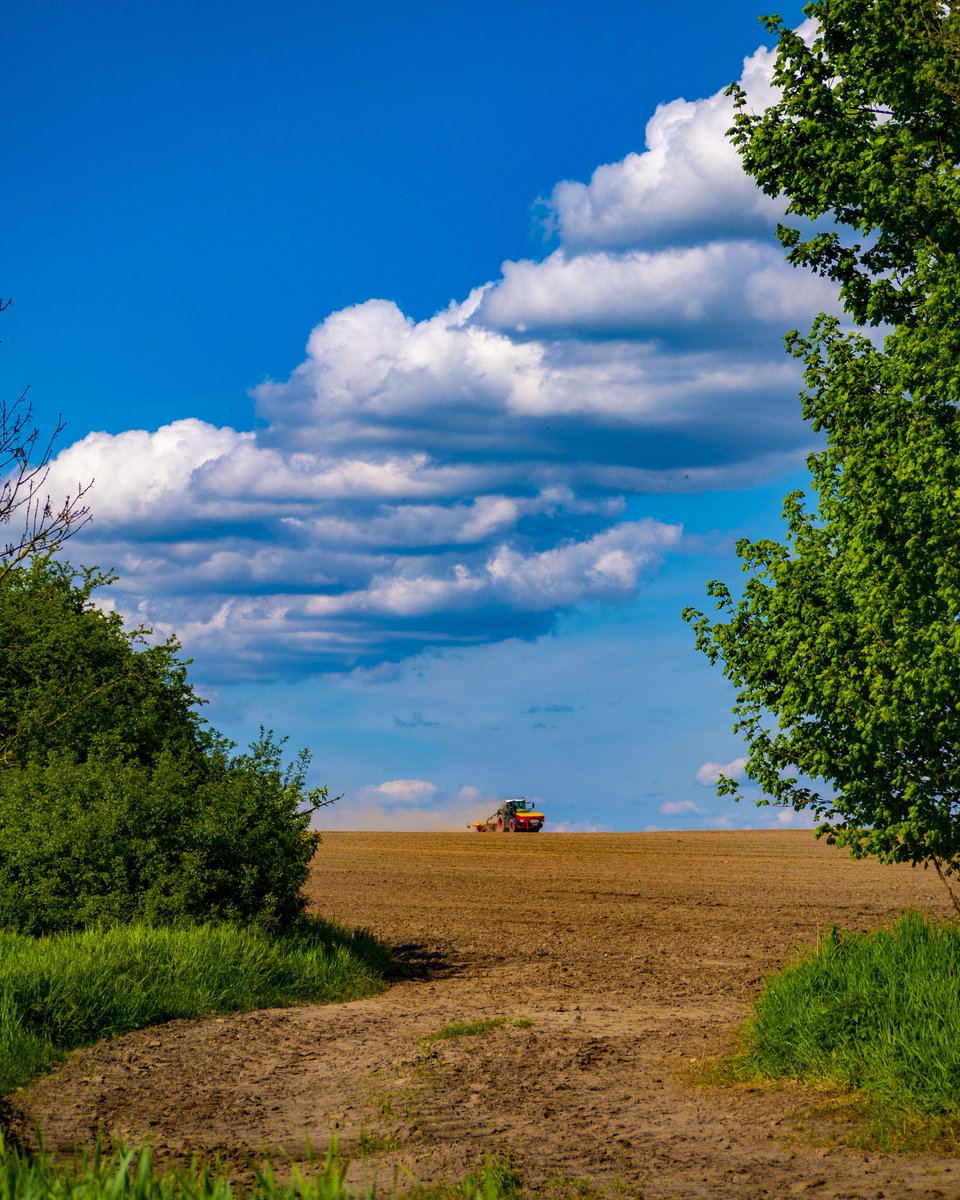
(513, 816)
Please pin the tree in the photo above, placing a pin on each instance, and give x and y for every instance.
(866, 132)
(73, 679)
(37, 524)
(116, 800)
(844, 646)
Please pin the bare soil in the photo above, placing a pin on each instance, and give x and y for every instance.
(633, 957)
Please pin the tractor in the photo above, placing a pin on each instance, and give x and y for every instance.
(513, 816)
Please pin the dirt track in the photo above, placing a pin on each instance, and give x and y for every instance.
(631, 954)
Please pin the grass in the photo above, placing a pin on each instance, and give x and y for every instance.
(476, 1028)
(130, 1175)
(879, 1013)
(369, 1144)
(126, 1174)
(69, 990)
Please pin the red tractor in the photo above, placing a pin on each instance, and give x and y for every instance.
(513, 816)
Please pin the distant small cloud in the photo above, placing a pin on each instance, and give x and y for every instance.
(710, 772)
(549, 708)
(674, 808)
(787, 818)
(576, 827)
(402, 793)
(416, 721)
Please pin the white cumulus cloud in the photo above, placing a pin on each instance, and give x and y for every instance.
(403, 793)
(463, 479)
(710, 772)
(675, 808)
(685, 186)
(712, 292)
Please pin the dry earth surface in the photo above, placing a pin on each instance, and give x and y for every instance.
(632, 956)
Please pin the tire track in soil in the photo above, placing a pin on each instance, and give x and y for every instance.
(632, 956)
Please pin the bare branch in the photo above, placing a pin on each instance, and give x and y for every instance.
(40, 524)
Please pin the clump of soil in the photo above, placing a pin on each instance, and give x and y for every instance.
(621, 962)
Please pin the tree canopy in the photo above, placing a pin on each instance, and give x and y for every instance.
(844, 645)
(74, 680)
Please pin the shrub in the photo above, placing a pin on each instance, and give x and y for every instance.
(73, 679)
(117, 802)
(106, 840)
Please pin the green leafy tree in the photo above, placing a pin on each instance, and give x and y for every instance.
(107, 840)
(844, 645)
(866, 132)
(74, 679)
(116, 801)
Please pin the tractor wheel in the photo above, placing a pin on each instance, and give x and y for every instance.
(499, 824)
(513, 825)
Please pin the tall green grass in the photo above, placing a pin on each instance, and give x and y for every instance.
(69, 990)
(878, 1012)
(130, 1175)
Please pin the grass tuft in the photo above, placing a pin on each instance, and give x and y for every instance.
(369, 1144)
(476, 1028)
(460, 1029)
(876, 1012)
(496, 1179)
(69, 990)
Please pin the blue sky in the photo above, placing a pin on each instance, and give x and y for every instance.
(428, 360)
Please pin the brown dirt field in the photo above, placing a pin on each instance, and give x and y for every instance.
(632, 955)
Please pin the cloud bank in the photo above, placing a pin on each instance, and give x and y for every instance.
(427, 485)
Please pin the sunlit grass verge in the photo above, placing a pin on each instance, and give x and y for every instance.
(125, 1174)
(876, 1012)
(70, 990)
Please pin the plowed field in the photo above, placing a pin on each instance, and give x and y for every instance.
(625, 958)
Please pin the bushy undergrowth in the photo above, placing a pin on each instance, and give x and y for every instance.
(69, 990)
(215, 836)
(118, 803)
(878, 1012)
